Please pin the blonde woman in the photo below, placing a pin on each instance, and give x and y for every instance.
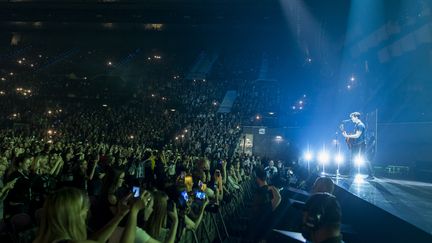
(64, 219)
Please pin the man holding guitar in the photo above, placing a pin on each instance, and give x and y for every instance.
(357, 142)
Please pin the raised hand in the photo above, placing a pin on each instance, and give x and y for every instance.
(173, 214)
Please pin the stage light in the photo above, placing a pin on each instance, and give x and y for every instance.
(339, 158)
(308, 156)
(359, 160)
(323, 157)
(352, 78)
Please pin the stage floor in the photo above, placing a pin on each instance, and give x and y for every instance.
(408, 200)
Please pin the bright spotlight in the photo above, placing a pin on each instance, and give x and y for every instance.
(339, 158)
(359, 160)
(323, 157)
(308, 156)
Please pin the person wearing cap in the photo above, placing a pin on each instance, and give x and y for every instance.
(322, 219)
(323, 184)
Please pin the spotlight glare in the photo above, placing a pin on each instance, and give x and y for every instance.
(358, 178)
(308, 156)
(339, 158)
(323, 157)
(359, 160)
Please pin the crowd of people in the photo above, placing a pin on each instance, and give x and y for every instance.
(163, 154)
(147, 168)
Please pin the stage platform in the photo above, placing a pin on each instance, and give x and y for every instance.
(410, 201)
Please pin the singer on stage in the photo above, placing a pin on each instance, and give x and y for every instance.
(357, 143)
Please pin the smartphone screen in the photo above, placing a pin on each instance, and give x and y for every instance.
(136, 191)
(185, 196)
(200, 195)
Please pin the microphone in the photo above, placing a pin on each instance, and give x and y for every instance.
(347, 120)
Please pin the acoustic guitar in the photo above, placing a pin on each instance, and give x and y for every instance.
(348, 141)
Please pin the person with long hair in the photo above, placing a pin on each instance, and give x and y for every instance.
(109, 198)
(156, 224)
(64, 219)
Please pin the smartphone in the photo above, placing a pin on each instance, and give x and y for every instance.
(136, 191)
(184, 195)
(200, 195)
(183, 199)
